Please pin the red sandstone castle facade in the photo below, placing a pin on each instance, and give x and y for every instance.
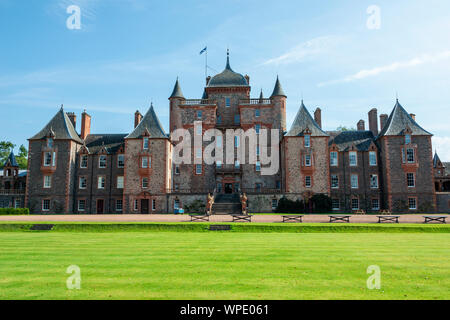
(390, 167)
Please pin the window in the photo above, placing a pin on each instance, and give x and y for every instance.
(102, 162)
(335, 205)
(83, 183)
(274, 204)
(236, 141)
(177, 169)
(374, 181)
(219, 141)
(136, 205)
(198, 153)
(227, 102)
(257, 113)
(308, 181)
(411, 180)
(258, 187)
(176, 204)
(307, 141)
(144, 183)
(258, 128)
(145, 163)
(145, 144)
(101, 182)
(257, 150)
(237, 164)
(120, 182)
(84, 161)
(120, 161)
(333, 158)
(198, 129)
(50, 143)
(375, 204)
(352, 158)
(119, 205)
(81, 205)
(237, 119)
(403, 156)
(199, 114)
(410, 155)
(355, 204)
(258, 166)
(278, 184)
(308, 160)
(219, 119)
(54, 159)
(47, 182)
(153, 205)
(407, 139)
(412, 203)
(198, 169)
(45, 205)
(334, 182)
(177, 187)
(47, 159)
(219, 164)
(17, 203)
(372, 158)
(354, 181)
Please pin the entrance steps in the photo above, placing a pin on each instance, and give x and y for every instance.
(227, 204)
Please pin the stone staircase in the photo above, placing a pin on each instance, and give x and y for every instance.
(227, 204)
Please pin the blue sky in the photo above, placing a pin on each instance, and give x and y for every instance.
(129, 53)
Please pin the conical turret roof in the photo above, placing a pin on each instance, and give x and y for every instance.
(149, 123)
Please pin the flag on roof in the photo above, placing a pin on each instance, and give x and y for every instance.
(204, 50)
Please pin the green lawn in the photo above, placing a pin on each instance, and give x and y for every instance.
(221, 265)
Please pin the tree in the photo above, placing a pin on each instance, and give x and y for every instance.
(343, 128)
(22, 158)
(5, 149)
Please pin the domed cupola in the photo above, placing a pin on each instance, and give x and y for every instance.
(228, 78)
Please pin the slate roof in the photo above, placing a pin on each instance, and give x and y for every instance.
(111, 142)
(447, 168)
(61, 127)
(176, 93)
(11, 159)
(436, 160)
(302, 121)
(346, 139)
(151, 123)
(398, 121)
(278, 90)
(228, 78)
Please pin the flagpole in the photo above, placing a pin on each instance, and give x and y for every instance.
(206, 63)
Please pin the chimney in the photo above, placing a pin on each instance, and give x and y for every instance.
(413, 116)
(361, 125)
(85, 125)
(207, 79)
(383, 119)
(73, 118)
(247, 78)
(318, 117)
(373, 121)
(137, 118)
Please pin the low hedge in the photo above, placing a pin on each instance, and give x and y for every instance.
(14, 211)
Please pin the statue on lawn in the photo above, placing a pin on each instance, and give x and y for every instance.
(209, 203)
(244, 203)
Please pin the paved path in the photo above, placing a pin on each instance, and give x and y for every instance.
(408, 218)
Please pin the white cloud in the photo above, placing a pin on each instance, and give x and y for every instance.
(442, 146)
(305, 49)
(426, 58)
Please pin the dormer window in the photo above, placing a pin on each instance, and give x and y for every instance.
(49, 142)
(84, 161)
(145, 143)
(407, 138)
(352, 155)
(307, 141)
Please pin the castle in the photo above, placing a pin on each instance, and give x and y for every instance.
(384, 168)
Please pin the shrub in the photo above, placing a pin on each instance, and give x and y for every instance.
(321, 203)
(196, 206)
(289, 206)
(13, 211)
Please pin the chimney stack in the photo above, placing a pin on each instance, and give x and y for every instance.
(318, 117)
(413, 116)
(137, 118)
(361, 125)
(85, 125)
(373, 121)
(73, 118)
(383, 119)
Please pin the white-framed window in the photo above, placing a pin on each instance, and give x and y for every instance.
(308, 181)
(49, 142)
(177, 169)
(372, 158)
(258, 166)
(334, 181)
(102, 161)
(199, 114)
(236, 141)
(376, 204)
(120, 161)
(136, 205)
(47, 159)
(145, 143)
(354, 181)
(120, 182)
(47, 182)
(46, 205)
(198, 169)
(219, 164)
(101, 183)
(333, 158)
(237, 164)
(307, 160)
(407, 138)
(412, 203)
(374, 181)
(335, 204)
(257, 113)
(307, 141)
(81, 205)
(353, 159)
(274, 204)
(144, 183)
(119, 205)
(227, 102)
(355, 204)
(145, 162)
(153, 205)
(411, 180)
(82, 183)
(17, 203)
(410, 157)
(84, 161)
(257, 128)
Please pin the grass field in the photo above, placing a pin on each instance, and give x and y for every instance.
(224, 265)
